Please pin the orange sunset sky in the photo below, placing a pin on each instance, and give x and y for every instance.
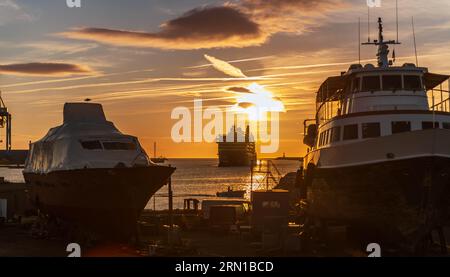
(141, 59)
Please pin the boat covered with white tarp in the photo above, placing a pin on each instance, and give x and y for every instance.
(88, 172)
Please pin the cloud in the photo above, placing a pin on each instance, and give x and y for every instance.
(207, 27)
(239, 89)
(225, 67)
(59, 47)
(11, 11)
(258, 102)
(9, 4)
(233, 61)
(290, 16)
(238, 24)
(246, 105)
(45, 69)
(274, 8)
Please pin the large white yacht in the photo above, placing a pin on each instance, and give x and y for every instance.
(379, 147)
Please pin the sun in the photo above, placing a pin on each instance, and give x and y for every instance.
(258, 102)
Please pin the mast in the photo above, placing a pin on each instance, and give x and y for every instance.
(359, 40)
(415, 43)
(383, 46)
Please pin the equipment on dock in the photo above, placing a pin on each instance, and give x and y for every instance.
(5, 122)
(3, 210)
(191, 202)
(208, 203)
(13, 158)
(16, 196)
(224, 215)
(270, 207)
(9, 157)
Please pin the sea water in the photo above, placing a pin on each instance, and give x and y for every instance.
(196, 178)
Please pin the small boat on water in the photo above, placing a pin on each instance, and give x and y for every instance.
(230, 193)
(285, 158)
(87, 172)
(158, 160)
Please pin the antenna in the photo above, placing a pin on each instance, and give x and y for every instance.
(396, 16)
(368, 24)
(415, 43)
(359, 40)
(383, 46)
(396, 21)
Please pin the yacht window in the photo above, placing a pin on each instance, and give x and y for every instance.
(401, 127)
(371, 130)
(336, 134)
(446, 125)
(356, 83)
(324, 140)
(92, 145)
(429, 125)
(371, 83)
(412, 82)
(327, 141)
(351, 132)
(392, 82)
(116, 145)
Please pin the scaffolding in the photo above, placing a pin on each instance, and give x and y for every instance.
(270, 173)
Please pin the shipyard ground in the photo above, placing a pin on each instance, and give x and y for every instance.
(17, 241)
(25, 240)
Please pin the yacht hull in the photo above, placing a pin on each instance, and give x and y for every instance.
(106, 201)
(399, 199)
(396, 200)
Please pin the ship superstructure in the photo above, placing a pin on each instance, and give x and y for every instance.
(239, 151)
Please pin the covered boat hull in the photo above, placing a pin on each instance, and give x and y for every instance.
(106, 201)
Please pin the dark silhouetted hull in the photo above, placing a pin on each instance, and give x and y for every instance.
(231, 159)
(400, 200)
(108, 201)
